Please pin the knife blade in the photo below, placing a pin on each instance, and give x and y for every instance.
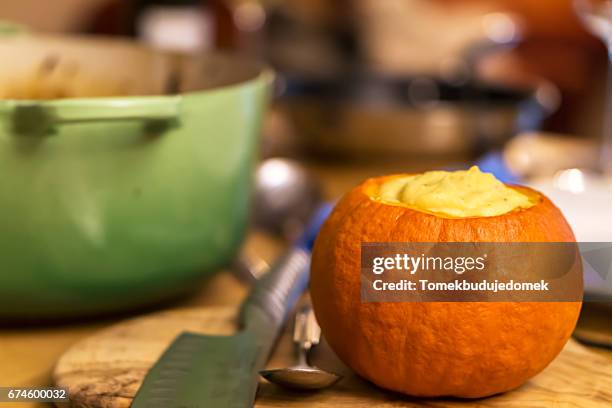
(200, 371)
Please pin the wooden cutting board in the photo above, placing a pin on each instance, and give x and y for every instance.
(105, 370)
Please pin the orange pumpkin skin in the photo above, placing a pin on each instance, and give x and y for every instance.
(429, 349)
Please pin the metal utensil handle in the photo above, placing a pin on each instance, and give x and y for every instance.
(306, 332)
(275, 294)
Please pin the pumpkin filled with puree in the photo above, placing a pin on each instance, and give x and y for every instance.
(430, 349)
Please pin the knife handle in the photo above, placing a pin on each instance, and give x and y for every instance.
(274, 295)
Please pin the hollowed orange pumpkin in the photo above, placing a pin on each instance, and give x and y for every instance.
(467, 349)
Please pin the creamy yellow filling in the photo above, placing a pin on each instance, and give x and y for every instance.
(464, 193)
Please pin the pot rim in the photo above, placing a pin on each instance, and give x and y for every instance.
(262, 72)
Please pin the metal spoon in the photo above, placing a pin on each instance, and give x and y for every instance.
(285, 196)
(303, 376)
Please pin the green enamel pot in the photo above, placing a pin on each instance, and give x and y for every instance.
(112, 202)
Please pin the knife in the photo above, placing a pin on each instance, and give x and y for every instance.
(200, 371)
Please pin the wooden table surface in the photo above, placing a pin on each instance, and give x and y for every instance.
(28, 353)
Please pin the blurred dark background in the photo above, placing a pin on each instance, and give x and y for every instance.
(367, 79)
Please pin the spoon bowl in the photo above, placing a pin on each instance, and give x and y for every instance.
(301, 377)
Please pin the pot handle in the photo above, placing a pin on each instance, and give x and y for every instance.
(30, 117)
(96, 110)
